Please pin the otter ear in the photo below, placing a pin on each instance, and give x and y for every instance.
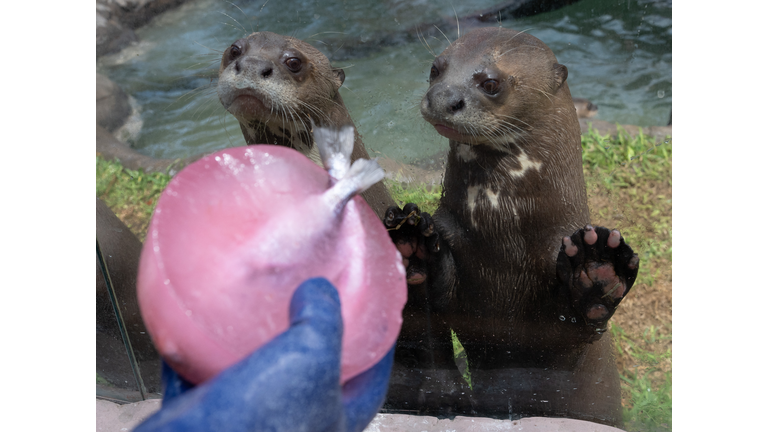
(339, 75)
(561, 74)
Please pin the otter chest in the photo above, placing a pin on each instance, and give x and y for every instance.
(491, 194)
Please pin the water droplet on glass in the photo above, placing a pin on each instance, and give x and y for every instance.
(562, 318)
(573, 319)
(660, 94)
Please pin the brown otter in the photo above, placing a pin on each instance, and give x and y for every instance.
(584, 108)
(497, 261)
(277, 87)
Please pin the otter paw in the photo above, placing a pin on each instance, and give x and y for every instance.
(414, 235)
(599, 269)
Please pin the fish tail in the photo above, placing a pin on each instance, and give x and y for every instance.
(363, 174)
(335, 148)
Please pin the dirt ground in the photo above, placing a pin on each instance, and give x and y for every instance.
(644, 212)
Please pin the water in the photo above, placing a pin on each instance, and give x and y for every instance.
(618, 54)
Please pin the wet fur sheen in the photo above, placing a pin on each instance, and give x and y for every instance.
(513, 188)
(277, 87)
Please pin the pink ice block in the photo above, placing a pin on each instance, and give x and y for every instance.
(232, 237)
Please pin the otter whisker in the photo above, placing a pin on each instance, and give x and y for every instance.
(424, 42)
(337, 49)
(539, 90)
(441, 32)
(234, 27)
(515, 49)
(241, 11)
(319, 113)
(202, 65)
(238, 22)
(213, 51)
(514, 118)
(511, 128)
(458, 27)
(325, 32)
(209, 103)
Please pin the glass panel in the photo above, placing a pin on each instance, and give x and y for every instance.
(127, 368)
(503, 356)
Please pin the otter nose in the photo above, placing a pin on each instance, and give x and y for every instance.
(254, 66)
(443, 98)
(456, 106)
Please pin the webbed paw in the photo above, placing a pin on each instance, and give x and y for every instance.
(414, 234)
(599, 269)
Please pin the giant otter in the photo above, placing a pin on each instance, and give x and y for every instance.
(277, 87)
(509, 261)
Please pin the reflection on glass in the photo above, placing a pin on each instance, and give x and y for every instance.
(127, 365)
(449, 359)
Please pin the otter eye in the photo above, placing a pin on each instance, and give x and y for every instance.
(491, 86)
(234, 51)
(433, 73)
(293, 64)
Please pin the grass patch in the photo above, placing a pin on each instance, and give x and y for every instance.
(132, 195)
(426, 199)
(460, 357)
(101, 381)
(625, 160)
(634, 176)
(628, 187)
(648, 384)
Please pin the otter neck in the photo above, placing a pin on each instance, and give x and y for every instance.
(505, 192)
(297, 134)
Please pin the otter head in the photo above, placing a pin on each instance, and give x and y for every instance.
(274, 85)
(494, 87)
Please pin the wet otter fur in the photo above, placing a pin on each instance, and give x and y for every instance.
(508, 260)
(277, 87)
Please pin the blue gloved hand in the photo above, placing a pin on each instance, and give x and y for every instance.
(289, 384)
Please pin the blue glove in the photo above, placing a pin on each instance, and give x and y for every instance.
(289, 384)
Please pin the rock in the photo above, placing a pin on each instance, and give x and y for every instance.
(116, 21)
(606, 128)
(111, 35)
(136, 13)
(111, 149)
(407, 173)
(112, 106)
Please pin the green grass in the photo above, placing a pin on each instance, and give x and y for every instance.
(100, 380)
(427, 200)
(623, 169)
(649, 386)
(626, 169)
(623, 161)
(132, 195)
(460, 357)
(632, 177)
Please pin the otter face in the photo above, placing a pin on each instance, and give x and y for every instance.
(491, 86)
(268, 78)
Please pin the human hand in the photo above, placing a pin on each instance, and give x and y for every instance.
(290, 384)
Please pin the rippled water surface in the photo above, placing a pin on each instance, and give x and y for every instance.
(618, 54)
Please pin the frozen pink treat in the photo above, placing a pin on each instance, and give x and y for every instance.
(235, 233)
